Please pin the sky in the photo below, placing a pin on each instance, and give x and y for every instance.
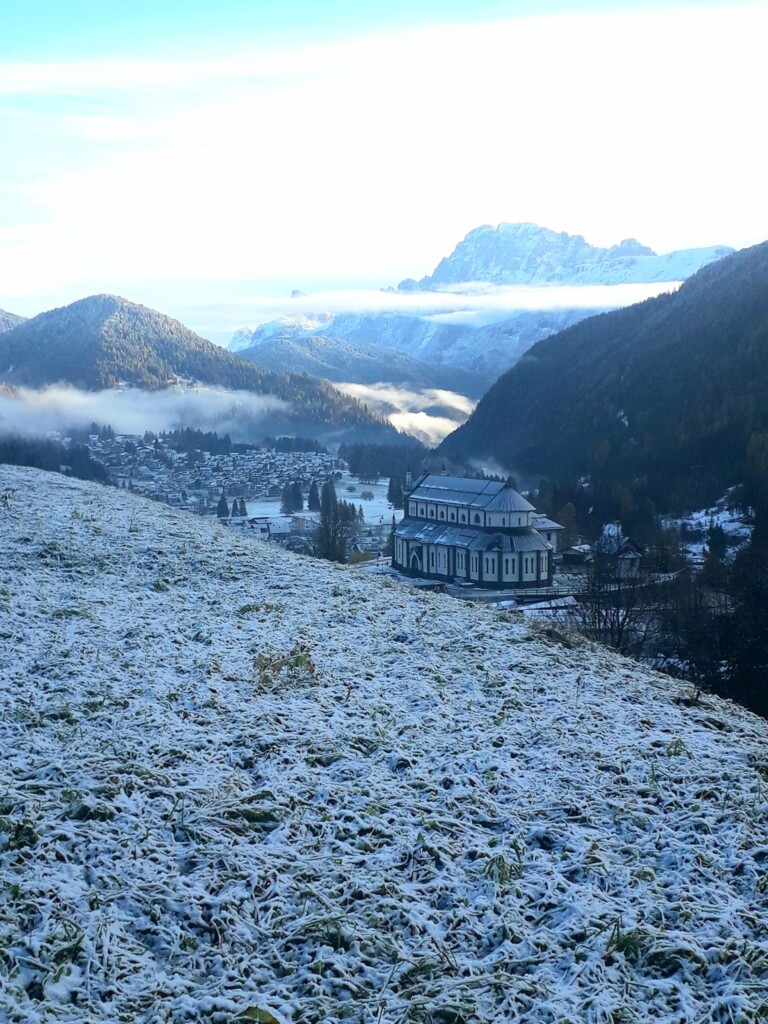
(197, 156)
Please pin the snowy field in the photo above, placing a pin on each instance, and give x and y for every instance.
(377, 510)
(237, 784)
(696, 526)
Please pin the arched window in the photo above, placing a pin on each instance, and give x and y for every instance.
(442, 513)
(477, 517)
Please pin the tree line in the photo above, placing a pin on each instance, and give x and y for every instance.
(72, 460)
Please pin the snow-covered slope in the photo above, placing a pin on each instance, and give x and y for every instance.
(234, 779)
(487, 350)
(529, 254)
(285, 325)
(308, 348)
(9, 320)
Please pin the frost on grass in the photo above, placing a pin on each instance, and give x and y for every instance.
(240, 784)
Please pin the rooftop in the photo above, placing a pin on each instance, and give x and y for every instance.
(491, 495)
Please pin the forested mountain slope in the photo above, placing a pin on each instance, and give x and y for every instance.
(672, 392)
(104, 340)
(339, 360)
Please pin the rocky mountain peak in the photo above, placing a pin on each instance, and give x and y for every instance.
(528, 254)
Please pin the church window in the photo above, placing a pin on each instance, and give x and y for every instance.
(477, 517)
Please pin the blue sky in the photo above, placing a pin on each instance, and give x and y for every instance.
(51, 28)
(192, 155)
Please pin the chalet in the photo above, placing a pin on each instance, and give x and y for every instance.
(477, 532)
(619, 555)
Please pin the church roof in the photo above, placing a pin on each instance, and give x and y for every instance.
(520, 542)
(508, 500)
(491, 495)
(471, 539)
(541, 522)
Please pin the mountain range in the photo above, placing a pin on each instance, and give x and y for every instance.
(487, 345)
(103, 341)
(338, 352)
(669, 395)
(527, 254)
(439, 342)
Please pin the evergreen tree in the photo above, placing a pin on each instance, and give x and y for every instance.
(567, 519)
(313, 500)
(714, 570)
(327, 531)
(222, 509)
(297, 496)
(338, 524)
(395, 493)
(286, 500)
(747, 648)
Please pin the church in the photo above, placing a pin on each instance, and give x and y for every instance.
(465, 530)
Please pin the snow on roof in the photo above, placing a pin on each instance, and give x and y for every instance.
(430, 532)
(234, 778)
(508, 500)
(492, 495)
(541, 522)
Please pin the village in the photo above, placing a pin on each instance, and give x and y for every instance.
(251, 481)
(195, 480)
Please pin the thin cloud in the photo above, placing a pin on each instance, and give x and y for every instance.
(475, 307)
(58, 409)
(259, 165)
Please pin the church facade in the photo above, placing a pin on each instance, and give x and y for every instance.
(465, 530)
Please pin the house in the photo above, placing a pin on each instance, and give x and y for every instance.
(470, 531)
(619, 556)
(549, 530)
(577, 556)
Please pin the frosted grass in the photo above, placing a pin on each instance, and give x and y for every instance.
(238, 784)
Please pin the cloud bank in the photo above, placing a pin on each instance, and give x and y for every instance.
(429, 414)
(473, 307)
(131, 411)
